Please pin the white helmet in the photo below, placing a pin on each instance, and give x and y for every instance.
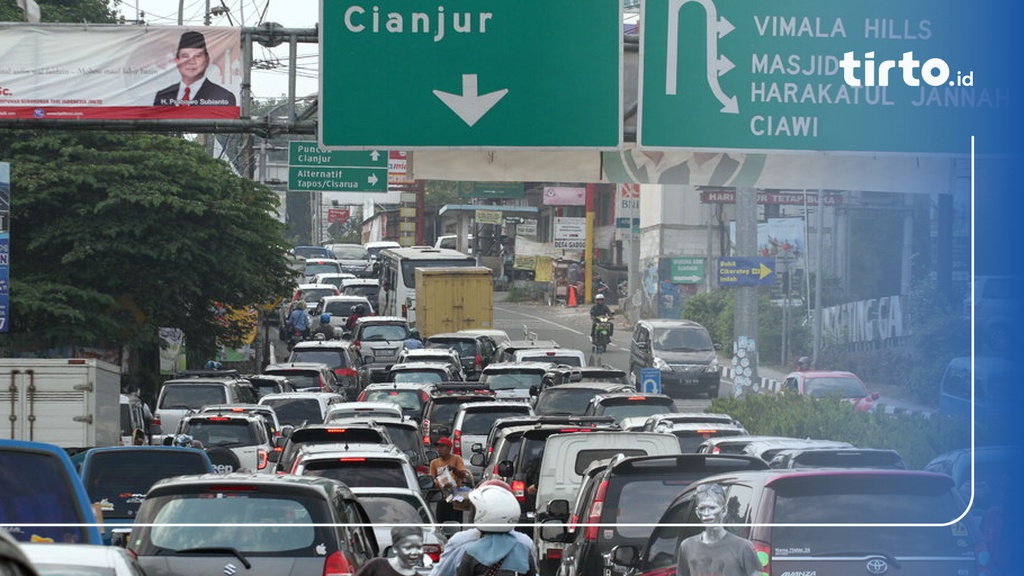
(599, 297)
(497, 510)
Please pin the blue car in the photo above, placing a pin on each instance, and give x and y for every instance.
(42, 499)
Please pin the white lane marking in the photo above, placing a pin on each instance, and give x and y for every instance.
(556, 324)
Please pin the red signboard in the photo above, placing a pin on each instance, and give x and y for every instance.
(338, 215)
(727, 196)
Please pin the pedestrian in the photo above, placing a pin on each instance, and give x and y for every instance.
(407, 544)
(497, 552)
(455, 548)
(715, 550)
(194, 89)
(358, 311)
(449, 472)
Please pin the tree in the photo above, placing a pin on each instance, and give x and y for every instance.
(114, 235)
(95, 11)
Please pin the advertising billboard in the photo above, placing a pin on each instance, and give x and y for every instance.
(119, 72)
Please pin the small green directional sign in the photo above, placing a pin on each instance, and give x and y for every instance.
(311, 168)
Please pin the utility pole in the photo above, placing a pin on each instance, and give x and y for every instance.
(744, 358)
(818, 244)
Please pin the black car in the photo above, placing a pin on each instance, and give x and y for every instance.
(442, 406)
(621, 405)
(475, 350)
(684, 353)
(573, 398)
(351, 433)
(843, 522)
(562, 374)
(620, 494)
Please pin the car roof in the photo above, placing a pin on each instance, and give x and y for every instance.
(324, 485)
(350, 450)
(610, 387)
(625, 395)
(313, 344)
(344, 298)
(491, 405)
(297, 366)
(382, 320)
(669, 323)
(315, 395)
(416, 386)
(529, 365)
(823, 374)
(413, 366)
(518, 344)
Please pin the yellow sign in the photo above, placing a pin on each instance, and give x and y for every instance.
(543, 270)
(488, 217)
(525, 263)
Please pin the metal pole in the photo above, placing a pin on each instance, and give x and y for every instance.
(745, 377)
(818, 242)
(181, 12)
(588, 251)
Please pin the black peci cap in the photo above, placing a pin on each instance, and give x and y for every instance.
(192, 39)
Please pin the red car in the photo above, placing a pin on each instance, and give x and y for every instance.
(822, 383)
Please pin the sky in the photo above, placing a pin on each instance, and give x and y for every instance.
(269, 83)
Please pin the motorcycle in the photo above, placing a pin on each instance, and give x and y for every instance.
(294, 337)
(600, 336)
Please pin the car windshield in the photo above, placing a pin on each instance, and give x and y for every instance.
(512, 379)
(465, 348)
(690, 440)
(384, 332)
(333, 358)
(444, 412)
(409, 267)
(480, 422)
(882, 499)
(393, 509)
(406, 399)
(350, 253)
(296, 411)
(844, 387)
(120, 479)
(359, 472)
(559, 400)
(418, 377)
(228, 432)
(301, 379)
(193, 396)
(311, 252)
(343, 308)
(560, 359)
(366, 290)
(36, 488)
(682, 340)
(206, 513)
(313, 295)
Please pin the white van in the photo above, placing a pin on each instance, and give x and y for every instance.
(568, 456)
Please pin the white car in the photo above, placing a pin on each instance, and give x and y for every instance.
(561, 356)
(332, 278)
(245, 434)
(363, 410)
(339, 307)
(84, 559)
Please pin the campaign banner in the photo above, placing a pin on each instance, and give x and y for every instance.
(564, 196)
(119, 72)
(5, 245)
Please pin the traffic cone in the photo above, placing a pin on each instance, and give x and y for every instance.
(572, 296)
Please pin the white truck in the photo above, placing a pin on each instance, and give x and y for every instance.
(70, 402)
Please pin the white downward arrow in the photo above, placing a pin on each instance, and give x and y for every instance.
(470, 105)
(372, 179)
(374, 155)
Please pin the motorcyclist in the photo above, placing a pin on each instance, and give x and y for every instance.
(413, 342)
(498, 551)
(298, 321)
(803, 364)
(600, 309)
(325, 327)
(357, 312)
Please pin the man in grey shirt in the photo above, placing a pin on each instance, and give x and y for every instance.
(715, 551)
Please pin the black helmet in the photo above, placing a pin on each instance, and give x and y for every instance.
(360, 309)
(804, 362)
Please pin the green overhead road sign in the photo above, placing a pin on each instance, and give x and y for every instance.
(311, 168)
(755, 75)
(470, 74)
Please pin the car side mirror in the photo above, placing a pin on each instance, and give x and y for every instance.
(274, 455)
(643, 345)
(286, 430)
(477, 459)
(444, 431)
(553, 530)
(425, 481)
(717, 346)
(506, 469)
(624, 555)
(119, 537)
(477, 447)
(366, 360)
(534, 390)
(430, 454)
(558, 509)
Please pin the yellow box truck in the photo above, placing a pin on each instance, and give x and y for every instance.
(449, 299)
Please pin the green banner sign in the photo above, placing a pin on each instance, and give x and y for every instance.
(687, 270)
(310, 167)
(492, 190)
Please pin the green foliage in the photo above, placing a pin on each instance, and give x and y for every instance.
(938, 333)
(715, 310)
(918, 438)
(115, 235)
(95, 11)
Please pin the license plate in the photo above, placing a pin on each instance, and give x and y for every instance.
(692, 381)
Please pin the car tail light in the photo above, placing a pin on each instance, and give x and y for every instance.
(217, 419)
(519, 489)
(631, 398)
(262, 457)
(477, 361)
(405, 310)
(573, 521)
(346, 372)
(156, 419)
(764, 555)
(432, 550)
(426, 431)
(457, 442)
(337, 565)
(351, 459)
(232, 488)
(422, 469)
(554, 553)
(594, 515)
(357, 344)
(362, 397)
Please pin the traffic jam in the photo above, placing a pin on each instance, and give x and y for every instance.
(381, 435)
